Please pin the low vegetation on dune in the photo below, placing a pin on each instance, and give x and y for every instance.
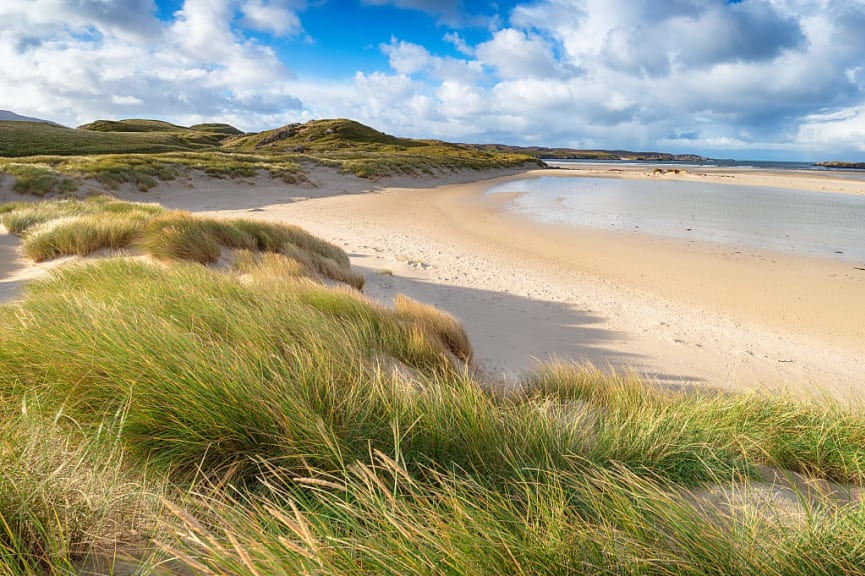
(50, 160)
(74, 227)
(65, 175)
(262, 416)
(19, 139)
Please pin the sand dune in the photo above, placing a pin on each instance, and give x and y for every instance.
(15, 269)
(673, 311)
(676, 312)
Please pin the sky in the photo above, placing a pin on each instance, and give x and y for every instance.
(747, 79)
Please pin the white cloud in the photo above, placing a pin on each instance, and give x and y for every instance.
(690, 74)
(126, 100)
(405, 57)
(76, 60)
(843, 129)
(279, 18)
(458, 42)
(517, 54)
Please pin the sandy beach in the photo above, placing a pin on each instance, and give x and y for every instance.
(838, 181)
(676, 312)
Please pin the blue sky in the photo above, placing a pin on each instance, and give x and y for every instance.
(755, 79)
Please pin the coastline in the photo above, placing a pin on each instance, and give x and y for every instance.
(816, 181)
(673, 311)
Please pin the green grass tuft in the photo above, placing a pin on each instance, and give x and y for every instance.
(254, 420)
(82, 227)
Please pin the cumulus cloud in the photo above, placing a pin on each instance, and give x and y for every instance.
(405, 57)
(76, 60)
(517, 54)
(408, 58)
(835, 130)
(691, 75)
(279, 18)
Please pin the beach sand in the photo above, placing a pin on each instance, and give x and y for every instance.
(838, 181)
(676, 312)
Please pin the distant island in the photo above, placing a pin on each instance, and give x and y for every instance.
(848, 165)
(545, 153)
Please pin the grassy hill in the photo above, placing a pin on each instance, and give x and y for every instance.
(162, 416)
(48, 159)
(20, 139)
(366, 152)
(319, 135)
(133, 125)
(217, 128)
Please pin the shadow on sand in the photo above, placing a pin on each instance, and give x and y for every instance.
(512, 334)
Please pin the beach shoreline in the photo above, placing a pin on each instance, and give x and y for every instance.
(812, 181)
(675, 312)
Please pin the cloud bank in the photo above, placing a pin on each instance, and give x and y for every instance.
(755, 77)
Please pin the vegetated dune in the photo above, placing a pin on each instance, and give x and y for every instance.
(47, 160)
(260, 415)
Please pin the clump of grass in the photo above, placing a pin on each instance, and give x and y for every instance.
(380, 518)
(268, 267)
(81, 227)
(181, 236)
(445, 326)
(822, 438)
(66, 496)
(82, 235)
(21, 216)
(64, 175)
(39, 180)
(272, 370)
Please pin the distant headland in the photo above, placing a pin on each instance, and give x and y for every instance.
(846, 165)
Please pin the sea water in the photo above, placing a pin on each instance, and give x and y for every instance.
(821, 224)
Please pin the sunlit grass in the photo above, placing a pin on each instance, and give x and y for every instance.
(68, 496)
(55, 161)
(82, 227)
(254, 419)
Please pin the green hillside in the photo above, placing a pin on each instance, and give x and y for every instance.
(217, 128)
(39, 138)
(133, 125)
(48, 160)
(318, 135)
(366, 152)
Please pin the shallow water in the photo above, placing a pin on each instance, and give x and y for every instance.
(797, 222)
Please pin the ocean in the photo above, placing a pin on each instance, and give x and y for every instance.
(716, 163)
(824, 224)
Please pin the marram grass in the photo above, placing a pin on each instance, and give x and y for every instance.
(81, 227)
(378, 518)
(252, 420)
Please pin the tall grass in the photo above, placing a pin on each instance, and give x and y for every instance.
(297, 371)
(81, 227)
(218, 369)
(821, 437)
(290, 426)
(67, 496)
(379, 518)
